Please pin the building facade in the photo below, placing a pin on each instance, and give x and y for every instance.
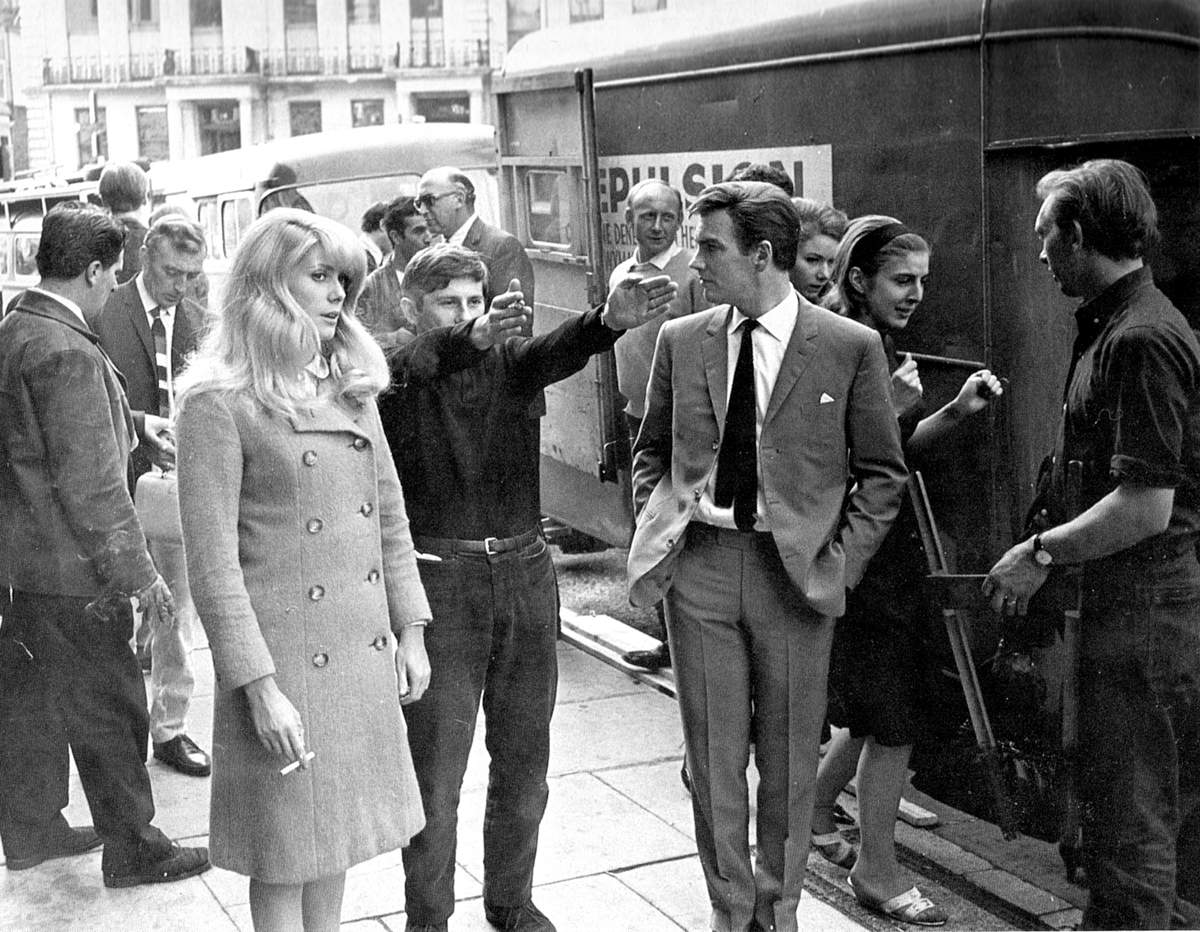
(172, 79)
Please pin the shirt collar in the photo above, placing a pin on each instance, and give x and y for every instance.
(659, 261)
(148, 303)
(459, 236)
(1094, 315)
(779, 321)
(65, 302)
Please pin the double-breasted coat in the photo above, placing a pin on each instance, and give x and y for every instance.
(302, 566)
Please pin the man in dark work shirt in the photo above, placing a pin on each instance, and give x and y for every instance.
(467, 452)
(1132, 418)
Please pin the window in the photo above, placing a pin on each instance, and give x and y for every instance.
(152, 133)
(425, 9)
(206, 14)
(648, 6)
(362, 11)
(584, 10)
(304, 116)
(524, 17)
(235, 217)
(300, 12)
(86, 130)
(443, 108)
(549, 195)
(83, 16)
(366, 112)
(220, 126)
(143, 12)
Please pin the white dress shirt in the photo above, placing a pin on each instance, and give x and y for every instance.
(770, 340)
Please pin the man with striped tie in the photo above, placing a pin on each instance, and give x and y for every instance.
(148, 328)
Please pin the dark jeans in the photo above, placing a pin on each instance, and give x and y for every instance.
(1140, 764)
(493, 634)
(68, 678)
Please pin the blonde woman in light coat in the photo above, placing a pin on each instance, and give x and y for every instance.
(303, 573)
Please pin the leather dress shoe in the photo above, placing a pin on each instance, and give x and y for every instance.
(524, 918)
(177, 864)
(410, 926)
(63, 843)
(182, 753)
(654, 659)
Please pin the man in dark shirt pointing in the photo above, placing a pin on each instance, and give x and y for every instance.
(467, 453)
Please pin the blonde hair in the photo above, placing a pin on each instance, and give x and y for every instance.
(261, 338)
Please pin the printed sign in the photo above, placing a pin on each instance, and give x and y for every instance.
(810, 168)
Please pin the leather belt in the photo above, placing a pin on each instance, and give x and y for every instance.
(489, 546)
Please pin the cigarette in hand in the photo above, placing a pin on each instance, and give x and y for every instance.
(295, 765)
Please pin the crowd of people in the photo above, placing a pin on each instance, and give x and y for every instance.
(352, 434)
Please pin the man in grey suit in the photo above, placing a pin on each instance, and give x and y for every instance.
(760, 414)
(171, 260)
(446, 197)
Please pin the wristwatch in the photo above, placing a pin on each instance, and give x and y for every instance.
(1041, 556)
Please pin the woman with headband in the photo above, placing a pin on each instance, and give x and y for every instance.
(876, 669)
(304, 575)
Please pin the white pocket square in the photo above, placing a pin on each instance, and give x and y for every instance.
(826, 398)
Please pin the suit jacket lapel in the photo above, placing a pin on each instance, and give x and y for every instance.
(796, 358)
(716, 361)
(141, 326)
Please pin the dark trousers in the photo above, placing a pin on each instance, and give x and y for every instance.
(1140, 765)
(751, 659)
(493, 634)
(68, 678)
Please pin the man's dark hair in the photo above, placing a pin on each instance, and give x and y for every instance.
(1111, 201)
(434, 267)
(760, 171)
(373, 216)
(398, 211)
(759, 211)
(123, 187)
(74, 235)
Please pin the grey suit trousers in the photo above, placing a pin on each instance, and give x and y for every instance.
(751, 661)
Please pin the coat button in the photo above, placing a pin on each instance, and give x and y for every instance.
(314, 525)
(310, 457)
(380, 642)
(696, 495)
(366, 509)
(316, 593)
(716, 444)
(320, 660)
(373, 576)
(360, 443)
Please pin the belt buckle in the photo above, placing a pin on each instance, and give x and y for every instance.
(488, 543)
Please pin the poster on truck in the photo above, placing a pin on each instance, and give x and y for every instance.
(809, 167)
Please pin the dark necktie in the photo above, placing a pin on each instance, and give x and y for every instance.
(161, 361)
(737, 462)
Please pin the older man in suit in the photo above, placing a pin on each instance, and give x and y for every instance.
(446, 197)
(760, 414)
(148, 328)
(72, 555)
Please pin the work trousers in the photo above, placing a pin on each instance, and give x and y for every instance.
(493, 637)
(1139, 766)
(751, 660)
(69, 679)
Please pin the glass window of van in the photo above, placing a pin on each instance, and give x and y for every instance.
(549, 199)
(5, 255)
(236, 215)
(26, 253)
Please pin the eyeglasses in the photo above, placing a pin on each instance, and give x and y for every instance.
(426, 201)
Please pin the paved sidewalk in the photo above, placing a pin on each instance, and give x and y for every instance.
(617, 852)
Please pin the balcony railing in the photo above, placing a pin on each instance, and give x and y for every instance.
(223, 62)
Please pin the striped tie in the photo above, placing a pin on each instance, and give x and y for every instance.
(161, 362)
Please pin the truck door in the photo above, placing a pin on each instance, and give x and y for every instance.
(550, 200)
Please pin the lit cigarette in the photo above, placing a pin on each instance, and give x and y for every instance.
(295, 765)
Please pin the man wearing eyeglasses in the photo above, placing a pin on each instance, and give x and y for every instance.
(446, 198)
